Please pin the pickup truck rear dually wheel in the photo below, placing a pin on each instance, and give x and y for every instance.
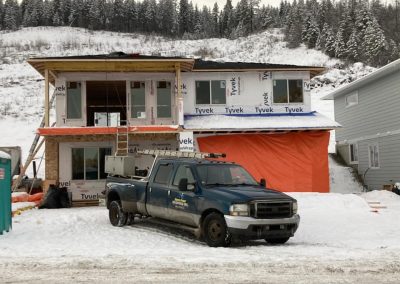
(215, 231)
(116, 215)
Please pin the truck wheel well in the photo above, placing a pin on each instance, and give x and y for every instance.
(112, 196)
(207, 212)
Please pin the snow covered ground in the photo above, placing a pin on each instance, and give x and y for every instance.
(339, 241)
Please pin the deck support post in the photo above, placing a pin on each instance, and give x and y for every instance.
(46, 99)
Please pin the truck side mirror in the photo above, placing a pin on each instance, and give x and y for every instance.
(263, 182)
(183, 184)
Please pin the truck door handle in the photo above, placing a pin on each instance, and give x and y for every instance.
(169, 192)
(150, 189)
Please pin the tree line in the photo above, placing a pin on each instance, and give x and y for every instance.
(352, 30)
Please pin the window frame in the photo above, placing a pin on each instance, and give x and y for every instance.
(350, 104)
(79, 83)
(176, 172)
(84, 163)
(172, 107)
(370, 158)
(288, 91)
(169, 176)
(211, 95)
(131, 87)
(351, 153)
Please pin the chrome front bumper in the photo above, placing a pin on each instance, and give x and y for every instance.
(243, 223)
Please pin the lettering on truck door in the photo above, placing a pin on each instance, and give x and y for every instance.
(183, 204)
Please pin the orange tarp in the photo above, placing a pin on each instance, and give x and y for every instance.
(291, 162)
(51, 131)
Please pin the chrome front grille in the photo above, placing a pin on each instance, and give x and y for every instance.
(271, 210)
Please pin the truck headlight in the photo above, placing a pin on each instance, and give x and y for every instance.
(294, 207)
(239, 210)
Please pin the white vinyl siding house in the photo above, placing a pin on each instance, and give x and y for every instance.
(369, 111)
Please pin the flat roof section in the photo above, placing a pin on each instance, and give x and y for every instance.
(304, 121)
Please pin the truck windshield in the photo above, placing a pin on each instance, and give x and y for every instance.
(224, 174)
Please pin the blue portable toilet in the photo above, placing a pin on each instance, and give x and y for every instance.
(5, 192)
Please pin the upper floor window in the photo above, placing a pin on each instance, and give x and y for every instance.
(74, 100)
(138, 100)
(352, 99)
(373, 156)
(164, 103)
(353, 153)
(288, 91)
(211, 92)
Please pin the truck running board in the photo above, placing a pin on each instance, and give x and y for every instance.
(179, 154)
(195, 231)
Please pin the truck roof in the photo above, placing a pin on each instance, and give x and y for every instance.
(195, 160)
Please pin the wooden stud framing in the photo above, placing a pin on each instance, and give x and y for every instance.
(46, 98)
(179, 98)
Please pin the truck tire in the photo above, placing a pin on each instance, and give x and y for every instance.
(277, 241)
(116, 215)
(215, 231)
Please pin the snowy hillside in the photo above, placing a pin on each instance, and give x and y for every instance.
(21, 88)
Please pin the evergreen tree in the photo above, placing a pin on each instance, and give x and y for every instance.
(184, 17)
(330, 43)
(310, 32)
(1, 15)
(294, 25)
(215, 21)
(57, 16)
(374, 43)
(340, 44)
(227, 19)
(353, 47)
(11, 15)
(117, 20)
(47, 14)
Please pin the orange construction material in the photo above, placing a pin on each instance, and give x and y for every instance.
(291, 162)
(23, 197)
(35, 197)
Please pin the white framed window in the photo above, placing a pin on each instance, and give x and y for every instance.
(353, 152)
(211, 92)
(373, 151)
(287, 91)
(164, 97)
(89, 163)
(138, 99)
(74, 100)
(352, 99)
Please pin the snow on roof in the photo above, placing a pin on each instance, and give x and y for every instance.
(304, 121)
(4, 155)
(381, 72)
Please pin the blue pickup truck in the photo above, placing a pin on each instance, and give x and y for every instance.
(216, 201)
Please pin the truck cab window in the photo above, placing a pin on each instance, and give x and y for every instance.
(183, 172)
(163, 173)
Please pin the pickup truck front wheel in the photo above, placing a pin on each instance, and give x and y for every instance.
(215, 231)
(116, 215)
